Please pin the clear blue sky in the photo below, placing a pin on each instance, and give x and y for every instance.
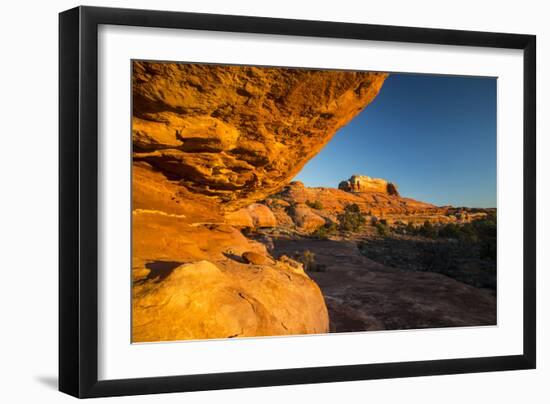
(434, 136)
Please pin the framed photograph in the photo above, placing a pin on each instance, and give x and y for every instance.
(251, 201)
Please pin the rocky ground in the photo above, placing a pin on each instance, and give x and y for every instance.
(363, 294)
(393, 270)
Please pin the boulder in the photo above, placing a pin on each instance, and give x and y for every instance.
(240, 218)
(261, 215)
(251, 257)
(305, 218)
(203, 300)
(256, 215)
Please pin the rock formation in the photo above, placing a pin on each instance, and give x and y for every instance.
(305, 218)
(209, 141)
(363, 183)
(377, 202)
(240, 133)
(255, 215)
(201, 300)
(378, 198)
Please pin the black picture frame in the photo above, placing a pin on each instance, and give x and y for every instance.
(78, 201)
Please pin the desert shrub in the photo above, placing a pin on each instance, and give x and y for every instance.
(488, 249)
(307, 258)
(428, 230)
(492, 216)
(468, 234)
(486, 232)
(325, 231)
(436, 256)
(315, 205)
(450, 230)
(352, 208)
(382, 229)
(351, 219)
(410, 229)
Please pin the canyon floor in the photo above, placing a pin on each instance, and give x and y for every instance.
(364, 295)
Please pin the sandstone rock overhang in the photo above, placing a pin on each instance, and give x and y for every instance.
(240, 133)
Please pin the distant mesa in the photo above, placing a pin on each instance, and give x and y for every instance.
(364, 183)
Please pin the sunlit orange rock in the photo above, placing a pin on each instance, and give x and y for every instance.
(378, 198)
(305, 218)
(255, 215)
(240, 133)
(208, 143)
(363, 183)
(202, 300)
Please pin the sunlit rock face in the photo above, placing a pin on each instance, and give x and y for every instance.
(202, 300)
(209, 142)
(374, 197)
(240, 133)
(364, 183)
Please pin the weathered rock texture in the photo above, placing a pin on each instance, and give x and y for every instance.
(363, 183)
(209, 142)
(255, 215)
(225, 300)
(305, 218)
(191, 282)
(240, 133)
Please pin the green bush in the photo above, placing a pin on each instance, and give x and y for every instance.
(325, 231)
(428, 230)
(315, 205)
(351, 219)
(383, 229)
(450, 230)
(352, 208)
(307, 258)
(468, 233)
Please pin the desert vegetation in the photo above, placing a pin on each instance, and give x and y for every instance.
(466, 252)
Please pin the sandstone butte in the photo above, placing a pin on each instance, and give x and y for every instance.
(363, 183)
(207, 142)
